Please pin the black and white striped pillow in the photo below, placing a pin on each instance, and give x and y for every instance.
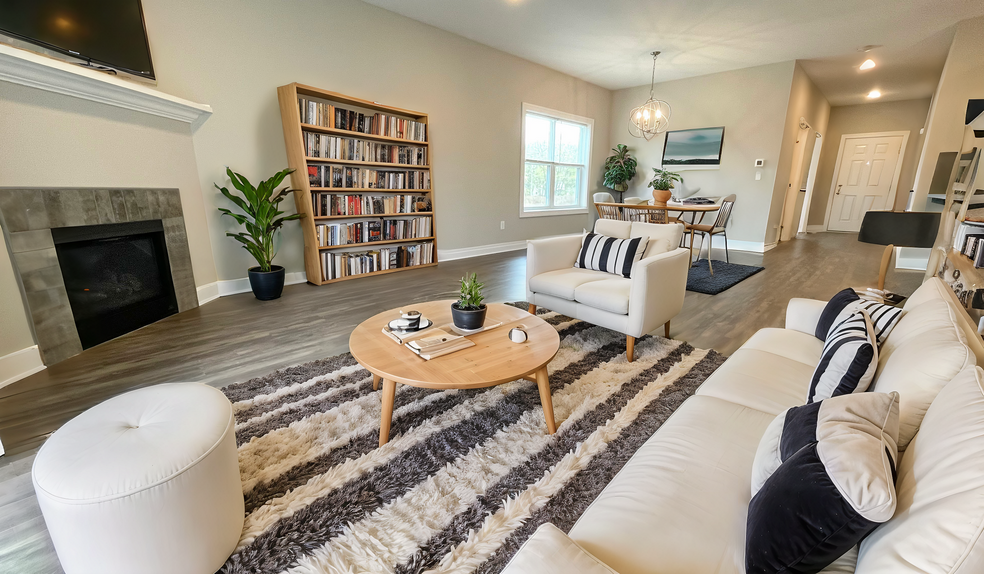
(610, 254)
(849, 359)
(883, 317)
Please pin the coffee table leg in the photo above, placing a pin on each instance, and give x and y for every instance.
(543, 383)
(389, 395)
(375, 382)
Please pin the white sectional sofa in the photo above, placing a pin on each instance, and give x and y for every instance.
(679, 505)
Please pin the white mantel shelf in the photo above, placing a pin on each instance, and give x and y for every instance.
(29, 69)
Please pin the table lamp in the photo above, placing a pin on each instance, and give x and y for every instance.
(898, 229)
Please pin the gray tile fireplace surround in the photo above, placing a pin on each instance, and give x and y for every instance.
(28, 216)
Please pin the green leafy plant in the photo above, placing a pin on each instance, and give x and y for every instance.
(620, 167)
(471, 296)
(663, 179)
(262, 218)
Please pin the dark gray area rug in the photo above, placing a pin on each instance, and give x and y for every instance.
(468, 475)
(726, 275)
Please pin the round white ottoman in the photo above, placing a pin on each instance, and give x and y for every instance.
(145, 482)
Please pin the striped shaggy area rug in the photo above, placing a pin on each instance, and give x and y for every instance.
(467, 476)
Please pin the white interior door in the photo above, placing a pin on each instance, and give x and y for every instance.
(864, 180)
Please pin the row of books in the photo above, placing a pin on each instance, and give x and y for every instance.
(338, 265)
(333, 147)
(330, 234)
(344, 176)
(329, 116)
(327, 204)
(973, 247)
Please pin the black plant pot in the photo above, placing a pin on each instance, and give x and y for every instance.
(267, 285)
(465, 319)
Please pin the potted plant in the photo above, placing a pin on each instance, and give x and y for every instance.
(662, 183)
(262, 219)
(468, 312)
(620, 167)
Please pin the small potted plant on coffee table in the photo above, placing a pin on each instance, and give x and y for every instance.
(262, 219)
(468, 312)
(662, 183)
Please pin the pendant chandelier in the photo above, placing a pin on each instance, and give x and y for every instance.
(652, 117)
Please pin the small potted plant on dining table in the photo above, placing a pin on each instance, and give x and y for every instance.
(468, 312)
(662, 183)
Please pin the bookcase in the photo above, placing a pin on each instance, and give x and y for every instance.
(362, 177)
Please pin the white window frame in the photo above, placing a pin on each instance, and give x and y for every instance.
(554, 211)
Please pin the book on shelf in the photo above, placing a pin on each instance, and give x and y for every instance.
(978, 257)
(331, 116)
(339, 176)
(344, 148)
(972, 244)
(438, 343)
(336, 265)
(326, 204)
(315, 113)
(335, 234)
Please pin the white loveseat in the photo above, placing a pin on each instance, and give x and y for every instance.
(635, 306)
(679, 505)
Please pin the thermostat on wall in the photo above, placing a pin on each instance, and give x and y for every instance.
(760, 163)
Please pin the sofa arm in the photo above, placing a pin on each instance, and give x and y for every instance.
(551, 254)
(803, 314)
(659, 284)
(550, 551)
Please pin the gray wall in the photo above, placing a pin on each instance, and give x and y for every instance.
(903, 115)
(751, 105)
(233, 55)
(51, 140)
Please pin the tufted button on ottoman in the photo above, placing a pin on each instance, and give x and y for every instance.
(146, 482)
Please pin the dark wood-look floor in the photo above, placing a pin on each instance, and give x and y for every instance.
(236, 338)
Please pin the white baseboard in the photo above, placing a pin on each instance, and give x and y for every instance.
(208, 292)
(815, 228)
(717, 241)
(19, 364)
(212, 291)
(466, 252)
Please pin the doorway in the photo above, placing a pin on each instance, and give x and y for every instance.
(806, 158)
(866, 178)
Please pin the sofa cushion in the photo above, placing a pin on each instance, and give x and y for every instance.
(937, 528)
(923, 353)
(770, 372)
(610, 295)
(848, 361)
(563, 282)
(657, 246)
(680, 501)
(550, 551)
(610, 254)
(613, 228)
(671, 232)
(835, 483)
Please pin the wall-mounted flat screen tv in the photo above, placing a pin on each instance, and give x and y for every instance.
(697, 147)
(109, 33)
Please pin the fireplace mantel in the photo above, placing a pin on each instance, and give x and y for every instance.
(30, 69)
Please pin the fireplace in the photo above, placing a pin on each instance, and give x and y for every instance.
(117, 277)
(128, 247)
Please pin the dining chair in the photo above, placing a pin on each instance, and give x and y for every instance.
(708, 231)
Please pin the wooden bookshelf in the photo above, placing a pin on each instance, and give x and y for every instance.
(299, 160)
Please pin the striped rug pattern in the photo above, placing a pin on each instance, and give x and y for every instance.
(467, 476)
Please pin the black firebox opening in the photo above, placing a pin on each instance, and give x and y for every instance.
(117, 277)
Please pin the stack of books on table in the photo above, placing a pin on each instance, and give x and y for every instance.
(437, 342)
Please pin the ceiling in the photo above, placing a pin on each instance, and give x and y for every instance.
(608, 43)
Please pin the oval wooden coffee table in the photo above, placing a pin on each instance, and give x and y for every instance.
(493, 360)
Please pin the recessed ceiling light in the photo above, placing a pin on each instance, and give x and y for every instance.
(867, 64)
(874, 94)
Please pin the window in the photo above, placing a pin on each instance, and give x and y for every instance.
(556, 153)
